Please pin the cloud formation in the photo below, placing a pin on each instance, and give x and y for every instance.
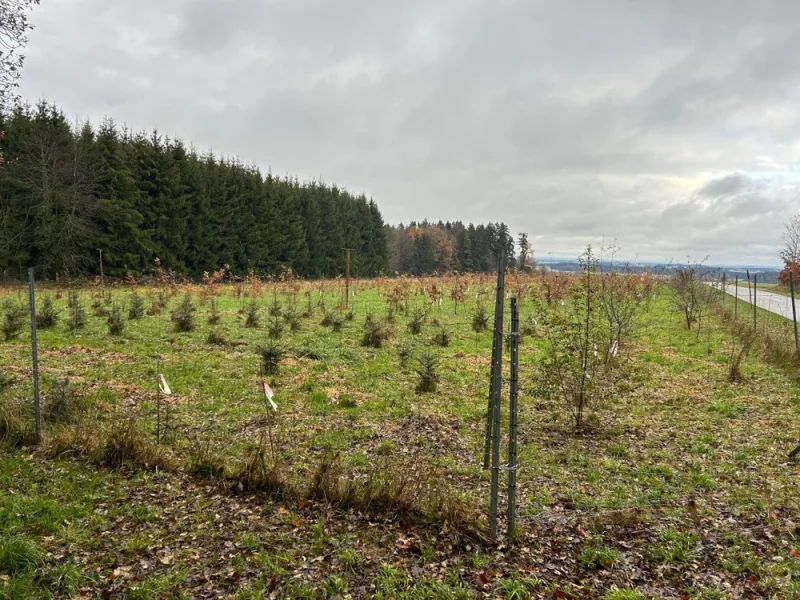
(670, 125)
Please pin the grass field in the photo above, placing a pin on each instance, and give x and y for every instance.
(679, 488)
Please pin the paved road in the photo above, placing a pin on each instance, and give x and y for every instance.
(775, 303)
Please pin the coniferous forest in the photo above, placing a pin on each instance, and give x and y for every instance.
(69, 191)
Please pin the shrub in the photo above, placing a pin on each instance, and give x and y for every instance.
(202, 462)
(183, 315)
(13, 320)
(77, 314)
(136, 310)
(16, 428)
(214, 315)
(116, 324)
(426, 370)
(47, 317)
(63, 403)
(252, 319)
(271, 356)
(257, 475)
(416, 322)
(529, 326)
(98, 307)
(125, 444)
(442, 337)
(332, 320)
(480, 319)
(6, 379)
(346, 401)
(374, 333)
(737, 355)
(216, 338)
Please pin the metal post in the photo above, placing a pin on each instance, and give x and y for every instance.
(489, 415)
(755, 299)
(158, 402)
(723, 289)
(496, 389)
(35, 356)
(736, 298)
(794, 311)
(512, 420)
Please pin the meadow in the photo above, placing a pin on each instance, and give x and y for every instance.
(367, 480)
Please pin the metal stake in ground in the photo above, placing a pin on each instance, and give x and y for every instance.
(489, 414)
(512, 420)
(158, 402)
(496, 389)
(755, 300)
(35, 356)
(794, 311)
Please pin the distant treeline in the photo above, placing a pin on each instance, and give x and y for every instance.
(68, 191)
(422, 248)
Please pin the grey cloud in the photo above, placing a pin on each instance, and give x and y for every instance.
(575, 121)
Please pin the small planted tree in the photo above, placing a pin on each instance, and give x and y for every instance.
(292, 319)
(275, 328)
(47, 317)
(137, 309)
(77, 314)
(116, 324)
(417, 321)
(183, 315)
(271, 355)
(214, 314)
(690, 295)
(573, 372)
(275, 309)
(252, 318)
(480, 319)
(442, 337)
(13, 320)
(428, 378)
(375, 333)
(404, 353)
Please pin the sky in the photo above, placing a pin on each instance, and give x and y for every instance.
(669, 127)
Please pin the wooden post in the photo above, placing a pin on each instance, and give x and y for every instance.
(794, 311)
(736, 298)
(496, 389)
(35, 356)
(102, 278)
(346, 277)
(512, 420)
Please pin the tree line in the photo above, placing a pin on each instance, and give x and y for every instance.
(71, 191)
(422, 248)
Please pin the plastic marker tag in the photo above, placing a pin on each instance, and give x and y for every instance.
(163, 385)
(268, 394)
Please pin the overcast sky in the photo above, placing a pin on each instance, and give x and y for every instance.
(672, 125)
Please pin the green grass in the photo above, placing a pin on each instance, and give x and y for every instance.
(678, 460)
